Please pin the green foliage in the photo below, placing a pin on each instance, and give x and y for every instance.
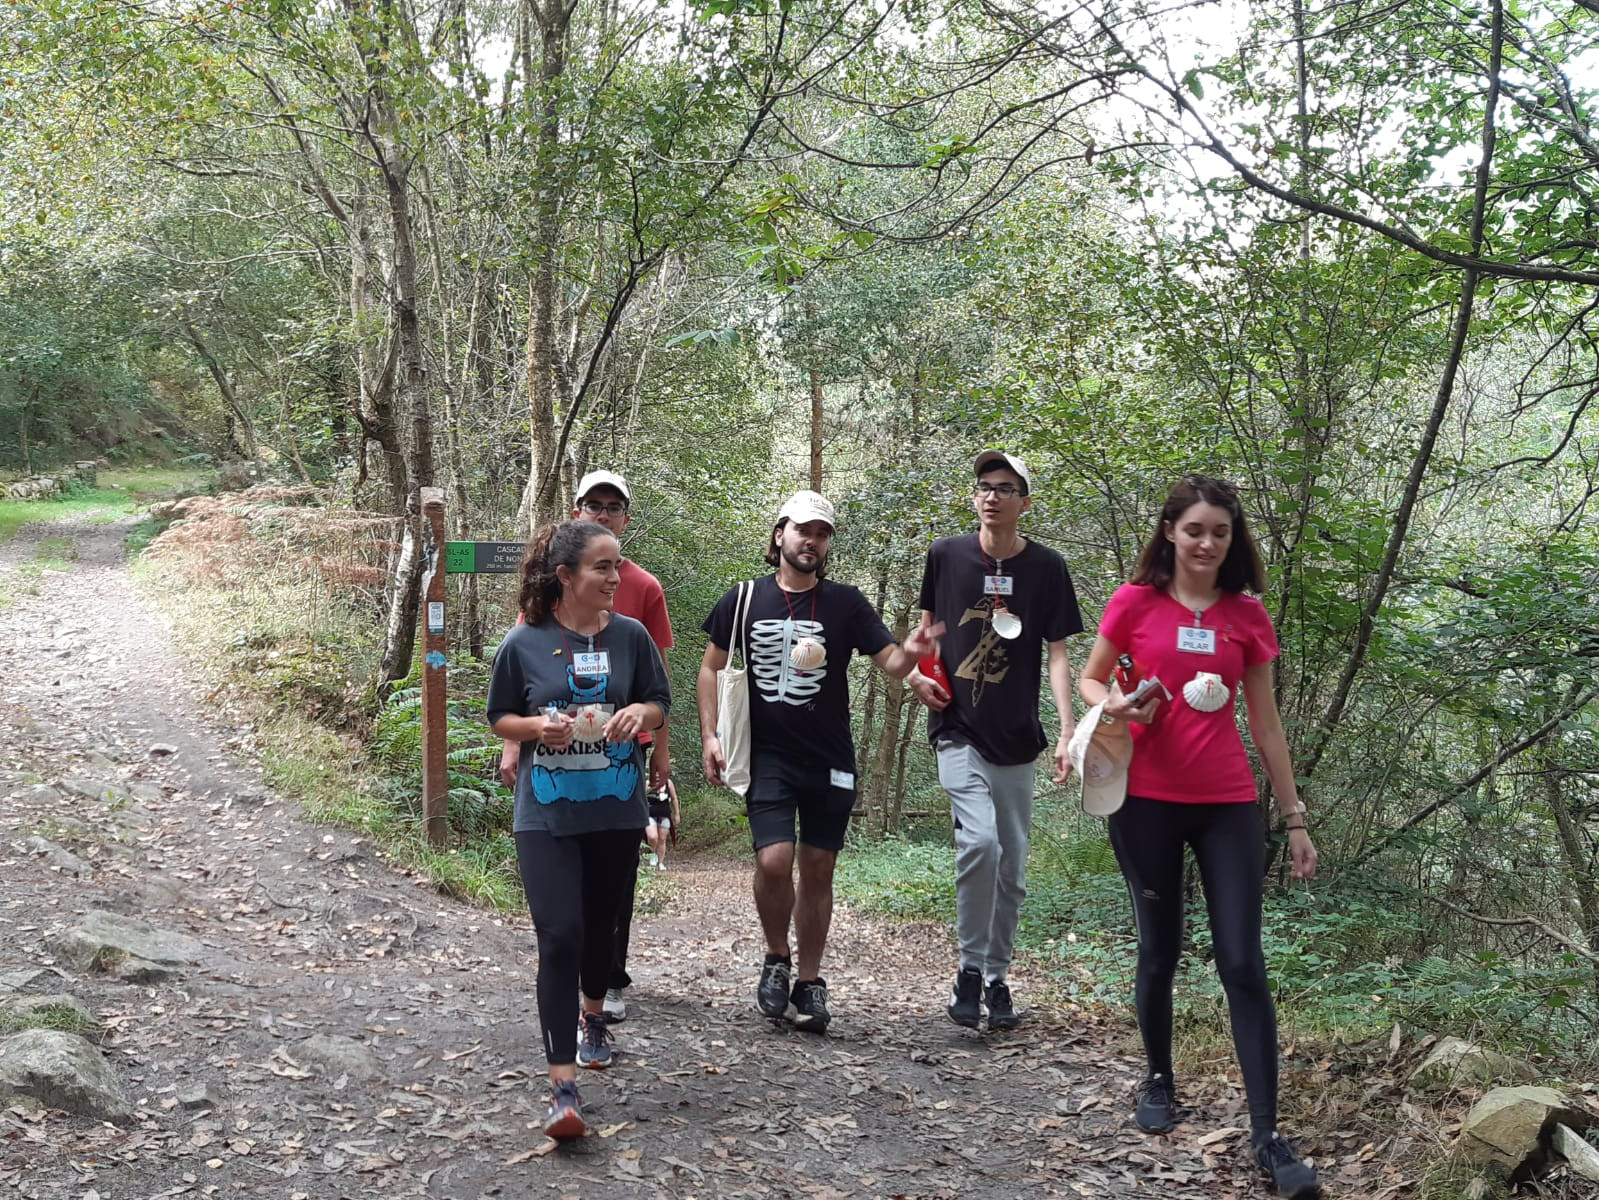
(59, 1017)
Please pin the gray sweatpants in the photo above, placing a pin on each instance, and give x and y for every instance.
(993, 810)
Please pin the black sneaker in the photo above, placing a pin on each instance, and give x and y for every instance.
(1157, 1104)
(1002, 1013)
(771, 994)
(564, 1121)
(966, 1000)
(594, 1042)
(1277, 1157)
(807, 1006)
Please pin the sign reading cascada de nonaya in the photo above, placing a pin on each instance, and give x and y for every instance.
(483, 558)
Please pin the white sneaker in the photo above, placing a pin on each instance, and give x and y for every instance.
(615, 1006)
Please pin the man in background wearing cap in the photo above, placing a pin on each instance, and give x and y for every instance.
(1004, 599)
(798, 636)
(604, 498)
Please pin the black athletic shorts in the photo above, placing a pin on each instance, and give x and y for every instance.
(781, 791)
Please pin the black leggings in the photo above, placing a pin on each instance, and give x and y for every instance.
(573, 887)
(1229, 846)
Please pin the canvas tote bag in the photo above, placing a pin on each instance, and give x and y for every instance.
(733, 699)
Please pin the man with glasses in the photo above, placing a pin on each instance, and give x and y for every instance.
(1003, 599)
(603, 497)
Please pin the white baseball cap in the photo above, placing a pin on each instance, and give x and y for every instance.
(596, 479)
(807, 506)
(1100, 755)
(989, 458)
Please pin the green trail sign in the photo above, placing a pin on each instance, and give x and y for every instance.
(483, 558)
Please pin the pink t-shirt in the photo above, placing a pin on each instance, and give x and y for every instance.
(1185, 755)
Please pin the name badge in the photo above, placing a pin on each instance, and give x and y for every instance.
(842, 779)
(1196, 641)
(591, 662)
(997, 585)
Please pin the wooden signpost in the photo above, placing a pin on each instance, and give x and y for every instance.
(457, 558)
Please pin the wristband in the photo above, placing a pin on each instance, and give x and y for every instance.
(1291, 828)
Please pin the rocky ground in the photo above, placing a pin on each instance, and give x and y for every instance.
(288, 1015)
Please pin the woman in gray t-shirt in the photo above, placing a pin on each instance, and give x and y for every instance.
(575, 684)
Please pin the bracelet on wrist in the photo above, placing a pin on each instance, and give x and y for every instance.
(1291, 828)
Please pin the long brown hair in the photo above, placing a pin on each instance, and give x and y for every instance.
(1241, 570)
(558, 545)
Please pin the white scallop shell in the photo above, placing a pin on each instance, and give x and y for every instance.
(1206, 692)
(807, 654)
(589, 724)
(1007, 624)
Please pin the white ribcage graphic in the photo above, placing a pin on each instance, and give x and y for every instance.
(776, 678)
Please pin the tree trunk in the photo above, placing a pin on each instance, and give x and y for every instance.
(1578, 858)
(540, 500)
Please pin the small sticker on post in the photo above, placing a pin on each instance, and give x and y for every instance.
(435, 616)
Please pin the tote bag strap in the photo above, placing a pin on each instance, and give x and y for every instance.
(738, 643)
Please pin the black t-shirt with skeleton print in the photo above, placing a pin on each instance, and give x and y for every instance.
(797, 711)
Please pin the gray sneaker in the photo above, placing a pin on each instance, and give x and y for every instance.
(615, 1006)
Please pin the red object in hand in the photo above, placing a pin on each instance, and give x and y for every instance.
(932, 666)
(1128, 673)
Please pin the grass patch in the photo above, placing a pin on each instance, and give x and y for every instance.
(62, 1018)
(117, 493)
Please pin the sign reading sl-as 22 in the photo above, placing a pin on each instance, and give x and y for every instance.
(483, 558)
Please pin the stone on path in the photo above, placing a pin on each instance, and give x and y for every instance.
(333, 1056)
(127, 947)
(1454, 1062)
(62, 1070)
(59, 859)
(1508, 1130)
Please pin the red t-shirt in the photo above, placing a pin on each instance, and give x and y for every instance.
(639, 595)
(1185, 755)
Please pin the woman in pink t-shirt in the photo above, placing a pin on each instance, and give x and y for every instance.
(1185, 620)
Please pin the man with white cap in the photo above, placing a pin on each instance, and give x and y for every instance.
(1004, 599)
(797, 633)
(604, 498)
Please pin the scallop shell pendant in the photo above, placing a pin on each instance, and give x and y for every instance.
(1006, 623)
(589, 724)
(1205, 692)
(808, 654)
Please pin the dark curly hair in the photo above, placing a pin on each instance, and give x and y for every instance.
(559, 545)
(1241, 570)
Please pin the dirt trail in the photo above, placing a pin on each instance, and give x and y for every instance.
(313, 933)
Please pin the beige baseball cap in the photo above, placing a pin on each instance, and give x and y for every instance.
(596, 479)
(807, 506)
(998, 458)
(1100, 755)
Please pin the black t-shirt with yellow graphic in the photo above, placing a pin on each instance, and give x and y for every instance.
(995, 681)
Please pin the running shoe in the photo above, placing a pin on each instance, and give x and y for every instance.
(1157, 1104)
(594, 1049)
(615, 1006)
(1002, 1013)
(564, 1121)
(771, 994)
(966, 1000)
(807, 1006)
(1277, 1157)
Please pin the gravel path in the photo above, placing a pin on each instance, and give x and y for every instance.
(310, 933)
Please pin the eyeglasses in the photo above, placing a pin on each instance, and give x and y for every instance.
(1003, 490)
(614, 509)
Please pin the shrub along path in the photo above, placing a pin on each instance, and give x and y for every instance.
(312, 935)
